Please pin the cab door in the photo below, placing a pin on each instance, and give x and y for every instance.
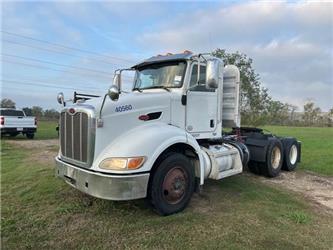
(201, 105)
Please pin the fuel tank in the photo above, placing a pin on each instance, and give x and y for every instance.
(221, 160)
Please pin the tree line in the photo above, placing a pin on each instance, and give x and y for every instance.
(257, 106)
(37, 111)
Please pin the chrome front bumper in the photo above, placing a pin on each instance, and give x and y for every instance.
(104, 186)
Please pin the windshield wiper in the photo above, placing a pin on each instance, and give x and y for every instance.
(138, 89)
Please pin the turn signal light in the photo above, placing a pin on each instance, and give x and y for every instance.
(134, 163)
(2, 120)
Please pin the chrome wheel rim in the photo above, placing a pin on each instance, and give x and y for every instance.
(293, 154)
(276, 157)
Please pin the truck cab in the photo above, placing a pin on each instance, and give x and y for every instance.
(162, 139)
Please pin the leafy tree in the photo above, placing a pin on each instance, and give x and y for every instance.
(7, 103)
(51, 114)
(254, 98)
(311, 113)
(329, 118)
(37, 111)
(292, 110)
(27, 111)
(330, 112)
(278, 112)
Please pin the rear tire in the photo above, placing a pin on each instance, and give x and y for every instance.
(30, 135)
(274, 159)
(291, 154)
(172, 184)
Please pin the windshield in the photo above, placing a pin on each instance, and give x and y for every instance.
(164, 75)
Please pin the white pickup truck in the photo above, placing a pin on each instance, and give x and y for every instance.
(14, 122)
(164, 138)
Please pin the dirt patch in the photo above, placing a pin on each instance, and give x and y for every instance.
(34, 144)
(318, 189)
(43, 151)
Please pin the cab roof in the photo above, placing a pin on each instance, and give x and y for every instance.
(164, 58)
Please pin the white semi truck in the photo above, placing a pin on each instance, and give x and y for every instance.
(164, 138)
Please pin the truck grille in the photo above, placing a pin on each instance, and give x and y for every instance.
(75, 137)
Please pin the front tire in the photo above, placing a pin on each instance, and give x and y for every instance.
(172, 184)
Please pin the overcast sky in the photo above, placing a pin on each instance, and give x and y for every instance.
(289, 42)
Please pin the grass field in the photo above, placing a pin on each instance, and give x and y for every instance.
(40, 211)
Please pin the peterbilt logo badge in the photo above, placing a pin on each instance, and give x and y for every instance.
(71, 111)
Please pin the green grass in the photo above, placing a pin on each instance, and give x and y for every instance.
(41, 211)
(47, 130)
(317, 146)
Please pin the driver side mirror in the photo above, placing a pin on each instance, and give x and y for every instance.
(61, 99)
(212, 73)
(117, 79)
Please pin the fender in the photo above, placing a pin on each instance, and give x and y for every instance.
(193, 142)
(148, 140)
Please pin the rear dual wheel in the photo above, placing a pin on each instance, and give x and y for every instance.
(172, 184)
(274, 158)
(291, 152)
(273, 162)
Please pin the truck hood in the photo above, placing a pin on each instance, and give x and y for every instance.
(119, 117)
(137, 102)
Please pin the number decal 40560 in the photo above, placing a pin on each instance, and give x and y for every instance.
(123, 108)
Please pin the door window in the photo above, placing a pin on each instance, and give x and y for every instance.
(201, 86)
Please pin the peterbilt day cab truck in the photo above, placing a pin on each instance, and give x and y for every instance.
(164, 138)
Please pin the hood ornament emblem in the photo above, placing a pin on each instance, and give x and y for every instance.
(71, 111)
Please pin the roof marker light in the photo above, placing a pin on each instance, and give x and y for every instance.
(187, 52)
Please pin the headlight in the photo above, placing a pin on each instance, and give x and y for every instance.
(122, 163)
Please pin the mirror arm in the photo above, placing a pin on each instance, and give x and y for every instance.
(199, 64)
(102, 106)
(99, 119)
(198, 75)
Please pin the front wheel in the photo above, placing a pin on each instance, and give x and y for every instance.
(172, 184)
